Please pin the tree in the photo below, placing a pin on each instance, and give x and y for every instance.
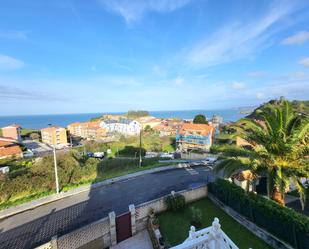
(200, 119)
(279, 150)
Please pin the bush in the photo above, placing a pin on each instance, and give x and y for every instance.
(281, 221)
(175, 202)
(196, 217)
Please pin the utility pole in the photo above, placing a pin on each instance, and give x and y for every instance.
(140, 147)
(55, 163)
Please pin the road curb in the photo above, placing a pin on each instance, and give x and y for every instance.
(55, 197)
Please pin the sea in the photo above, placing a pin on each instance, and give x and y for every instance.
(41, 121)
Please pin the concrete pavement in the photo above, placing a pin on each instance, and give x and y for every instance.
(35, 227)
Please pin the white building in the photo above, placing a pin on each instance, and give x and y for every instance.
(126, 127)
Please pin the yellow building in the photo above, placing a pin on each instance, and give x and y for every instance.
(88, 130)
(55, 135)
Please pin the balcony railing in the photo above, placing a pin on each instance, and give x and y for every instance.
(210, 237)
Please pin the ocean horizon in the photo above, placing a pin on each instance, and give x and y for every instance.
(39, 121)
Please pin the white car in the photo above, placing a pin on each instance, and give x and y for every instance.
(167, 155)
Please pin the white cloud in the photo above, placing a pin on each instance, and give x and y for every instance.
(10, 63)
(298, 38)
(240, 39)
(257, 74)
(238, 85)
(132, 10)
(304, 62)
(159, 71)
(178, 81)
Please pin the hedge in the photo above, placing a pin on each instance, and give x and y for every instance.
(283, 222)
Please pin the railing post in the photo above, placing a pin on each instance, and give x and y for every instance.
(216, 232)
(54, 243)
(192, 232)
(112, 227)
(133, 219)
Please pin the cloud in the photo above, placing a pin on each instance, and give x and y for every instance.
(239, 40)
(14, 35)
(8, 92)
(10, 63)
(178, 81)
(159, 71)
(298, 38)
(133, 10)
(257, 74)
(238, 85)
(304, 62)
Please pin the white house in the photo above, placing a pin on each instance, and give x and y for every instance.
(126, 127)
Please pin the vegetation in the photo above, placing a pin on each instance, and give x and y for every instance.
(283, 222)
(175, 202)
(174, 226)
(200, 119)
(279, 148)
(137, 114)
(31, 179)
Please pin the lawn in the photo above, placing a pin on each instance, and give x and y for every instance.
(175, 226)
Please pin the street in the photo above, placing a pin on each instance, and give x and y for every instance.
(35, 227)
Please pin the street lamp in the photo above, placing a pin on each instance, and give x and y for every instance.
(55, 163)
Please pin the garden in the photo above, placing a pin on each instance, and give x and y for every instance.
(175, 224)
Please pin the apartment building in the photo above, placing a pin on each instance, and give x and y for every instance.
(195, 136)
(127, 127)
(55, 135)
(12, 131)
(87, 130)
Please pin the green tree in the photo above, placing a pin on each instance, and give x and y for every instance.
(200, 119)
(279, 150)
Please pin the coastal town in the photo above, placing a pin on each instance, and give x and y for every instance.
(188, 135)
(154, 124)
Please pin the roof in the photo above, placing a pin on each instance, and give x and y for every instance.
(51, 128)
(244, 175)
(5, 143)
(121, 121)
(205, 129)
(10, 150)
(7, 139)
(12, 126)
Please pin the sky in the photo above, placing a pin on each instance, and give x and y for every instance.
(78, 56)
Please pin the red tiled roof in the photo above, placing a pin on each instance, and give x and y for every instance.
(205, 129)
(10, 151)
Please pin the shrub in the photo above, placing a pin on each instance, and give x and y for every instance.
(196, 217)
(175, 202)
(281, 221)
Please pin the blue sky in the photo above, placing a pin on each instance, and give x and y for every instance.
(75, 56)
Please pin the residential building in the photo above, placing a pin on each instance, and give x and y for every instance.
(12, 131)
(164, 130)
(195, 136)
(55, 135)
(127, 127)
(87, 130)
(149, 121)
(9, 148)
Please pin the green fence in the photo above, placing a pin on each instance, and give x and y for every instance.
(282, 222)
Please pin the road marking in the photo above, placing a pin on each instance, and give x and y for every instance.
(191, 171)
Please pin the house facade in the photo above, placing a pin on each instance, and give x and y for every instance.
(55, 135)
(12, 131)
(9, 148)
(194, 136)
(127, 127)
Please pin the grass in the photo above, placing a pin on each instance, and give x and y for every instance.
(175, 226)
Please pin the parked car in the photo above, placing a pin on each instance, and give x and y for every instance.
(98, 155)
(89, 154)
(167, 155)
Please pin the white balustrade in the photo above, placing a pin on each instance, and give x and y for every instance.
(208, 238)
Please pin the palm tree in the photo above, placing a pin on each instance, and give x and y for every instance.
(279, 150)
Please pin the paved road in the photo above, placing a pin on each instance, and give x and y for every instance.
(35, 227)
